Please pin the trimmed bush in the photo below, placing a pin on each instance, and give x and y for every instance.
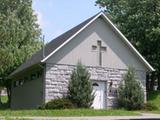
(130, 92)
(60, 103)
(80, 87)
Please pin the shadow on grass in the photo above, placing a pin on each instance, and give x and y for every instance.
(153, 95)
(4, 106)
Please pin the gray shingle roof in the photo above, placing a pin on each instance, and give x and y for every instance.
(51, 46)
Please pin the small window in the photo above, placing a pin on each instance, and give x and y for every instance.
(21, 82)
(16, 83)
(33, 76)
(95, 84)
(39, 74)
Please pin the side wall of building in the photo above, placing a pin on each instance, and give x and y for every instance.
(58, 76)
(27, 90)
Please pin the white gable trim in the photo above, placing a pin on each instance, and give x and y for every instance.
(71, 38)
(116, 30)
(129, 44)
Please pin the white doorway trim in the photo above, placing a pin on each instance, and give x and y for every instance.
(99, 89)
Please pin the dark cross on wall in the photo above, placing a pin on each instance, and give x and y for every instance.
(100, 49)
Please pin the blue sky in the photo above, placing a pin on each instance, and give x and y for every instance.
(58, 16)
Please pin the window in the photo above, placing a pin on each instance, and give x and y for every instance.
(16, 83)
(39, 74)
(33, 76)
(21, 82)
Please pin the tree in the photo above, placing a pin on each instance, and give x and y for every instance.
(80, 87)
(19, 36)
(139, 20)
(130, 92)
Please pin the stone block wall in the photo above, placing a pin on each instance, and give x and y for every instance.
(57, 78)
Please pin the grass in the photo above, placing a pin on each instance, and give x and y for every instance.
(67, 113)
(64, 113)
(154, 98)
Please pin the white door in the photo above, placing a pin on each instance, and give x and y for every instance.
(99, 99)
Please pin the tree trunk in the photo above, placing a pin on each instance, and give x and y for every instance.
(0, 98)
(9, 95)
(7, 84)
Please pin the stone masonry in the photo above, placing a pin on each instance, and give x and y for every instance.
(57, 77)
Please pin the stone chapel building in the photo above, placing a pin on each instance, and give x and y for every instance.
(100, 46)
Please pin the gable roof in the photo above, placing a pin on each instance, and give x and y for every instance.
(57, 43)
(51, 46)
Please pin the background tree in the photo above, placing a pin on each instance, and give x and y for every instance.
(80, 87)
(139, 20)
(130, 92)
(19, 36)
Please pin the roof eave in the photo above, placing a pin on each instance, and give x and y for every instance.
(46, 58)
(13, 74)
(148, 66)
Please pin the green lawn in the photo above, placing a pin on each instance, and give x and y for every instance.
(154, 97)
(66, 112)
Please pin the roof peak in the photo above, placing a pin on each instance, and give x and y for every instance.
(57, 43)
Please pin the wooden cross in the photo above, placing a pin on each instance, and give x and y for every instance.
(100, 50)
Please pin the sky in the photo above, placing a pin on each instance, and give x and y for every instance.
(57, 16)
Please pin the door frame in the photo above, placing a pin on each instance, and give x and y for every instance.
(105, 90)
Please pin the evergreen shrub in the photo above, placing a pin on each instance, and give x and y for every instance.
(80, 87)
(130, 92)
